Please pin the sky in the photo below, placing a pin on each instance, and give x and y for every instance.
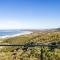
(29, 14)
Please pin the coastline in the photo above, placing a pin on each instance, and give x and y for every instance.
(7, 36)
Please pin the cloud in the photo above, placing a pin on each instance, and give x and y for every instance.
(14, 25)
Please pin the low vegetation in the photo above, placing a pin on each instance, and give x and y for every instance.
(35, 52)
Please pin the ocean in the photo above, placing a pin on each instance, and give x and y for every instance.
(10, 33)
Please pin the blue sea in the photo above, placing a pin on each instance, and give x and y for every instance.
(12, 32)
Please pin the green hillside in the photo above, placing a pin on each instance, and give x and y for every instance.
(31, 53)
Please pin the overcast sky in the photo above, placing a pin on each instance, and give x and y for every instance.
(29, 14)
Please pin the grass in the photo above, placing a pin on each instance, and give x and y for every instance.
(31, 53)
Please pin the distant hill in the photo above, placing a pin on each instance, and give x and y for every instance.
(42, 30)
(58, 29)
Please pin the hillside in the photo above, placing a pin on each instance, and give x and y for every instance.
(31, 53)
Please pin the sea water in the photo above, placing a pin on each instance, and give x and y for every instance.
(10, 33)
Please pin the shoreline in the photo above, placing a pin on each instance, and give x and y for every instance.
(3, 37)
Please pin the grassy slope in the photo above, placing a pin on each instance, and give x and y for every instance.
(33, 53)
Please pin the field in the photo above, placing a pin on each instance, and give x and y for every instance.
(32, 53)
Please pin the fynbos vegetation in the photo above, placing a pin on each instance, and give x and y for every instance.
(35, 52)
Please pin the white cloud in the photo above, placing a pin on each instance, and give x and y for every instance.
(13, 25)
